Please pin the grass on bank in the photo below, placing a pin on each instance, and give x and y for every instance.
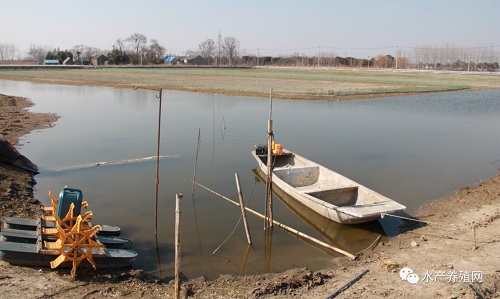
(286, 82)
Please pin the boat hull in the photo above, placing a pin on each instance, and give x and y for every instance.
(32, 224)
(26, 254)
(31, 236)
(351, 238)
(326, 192)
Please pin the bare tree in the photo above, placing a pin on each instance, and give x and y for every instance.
(137, 41)
(78, 53)
(155, 52)
(119, 44)
(12, 50)
(230, 46)
(89, 52)
(37, 53)
(7, 52)
(207, 48)
(3, 52)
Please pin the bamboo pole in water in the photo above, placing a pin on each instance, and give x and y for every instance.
(268, 220)
(285, 227)
(178, 213)
(159, 96)
(158, 163)
(243, 213)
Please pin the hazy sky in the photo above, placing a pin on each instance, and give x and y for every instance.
(357, 28)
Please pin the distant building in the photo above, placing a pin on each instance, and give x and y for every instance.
(51, 62)
(101, 60)
(177, 60)
(198, 60)
(170, 60)
(68, 61)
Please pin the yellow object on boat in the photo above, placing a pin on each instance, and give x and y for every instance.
(278, 149)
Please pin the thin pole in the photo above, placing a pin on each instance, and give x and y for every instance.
(196, 161)
(159, 96)
(158, 256)
(268, 245)
(268, 221)
(285, 227)
(178, 213)
(158, 163)
(243, 213)
(245, 259)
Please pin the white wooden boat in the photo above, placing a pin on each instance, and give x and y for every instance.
(325, 191)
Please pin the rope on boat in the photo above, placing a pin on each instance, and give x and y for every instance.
(438, 236)
(372, 245)
(404, 218)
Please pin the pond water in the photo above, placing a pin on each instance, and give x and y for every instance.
(413, 149)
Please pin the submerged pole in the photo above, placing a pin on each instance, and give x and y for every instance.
(243, 211)
(268, 222)
(158, 162)
(178, 213)
(284, 227)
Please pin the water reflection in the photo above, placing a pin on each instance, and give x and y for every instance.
(412, 149)
(350, 238)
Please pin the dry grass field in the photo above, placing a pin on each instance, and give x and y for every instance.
(287, 83)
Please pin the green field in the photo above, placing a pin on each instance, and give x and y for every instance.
(289, 83)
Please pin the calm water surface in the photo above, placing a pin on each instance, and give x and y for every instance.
(413, 149)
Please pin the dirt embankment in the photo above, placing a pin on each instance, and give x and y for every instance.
(16, 185)
(455, 255)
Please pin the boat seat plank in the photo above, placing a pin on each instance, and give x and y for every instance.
(370, 210)
(345, 196)
(298, 176)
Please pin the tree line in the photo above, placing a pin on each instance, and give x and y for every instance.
(136, 49)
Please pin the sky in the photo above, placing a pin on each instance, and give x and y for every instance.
(342, 27)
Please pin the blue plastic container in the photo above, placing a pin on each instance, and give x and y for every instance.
(66, 198)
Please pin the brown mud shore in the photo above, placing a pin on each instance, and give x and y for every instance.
(455, 255)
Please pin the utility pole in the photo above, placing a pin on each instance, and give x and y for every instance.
(319, 54)
(258, 56)
(219, 42)
(397, 56)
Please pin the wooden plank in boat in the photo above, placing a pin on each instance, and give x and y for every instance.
(370, 210)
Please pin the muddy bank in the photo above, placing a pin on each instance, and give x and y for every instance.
(461, 235)
(16, 185)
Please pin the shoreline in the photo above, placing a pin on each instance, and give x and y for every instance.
(287, 83)
(467, 221)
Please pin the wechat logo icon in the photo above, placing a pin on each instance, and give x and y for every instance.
(408, 275)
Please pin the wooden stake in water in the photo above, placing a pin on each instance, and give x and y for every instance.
(284, 227)
(159, 96)
(178, 213)
(243, 211)
(268, 222)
